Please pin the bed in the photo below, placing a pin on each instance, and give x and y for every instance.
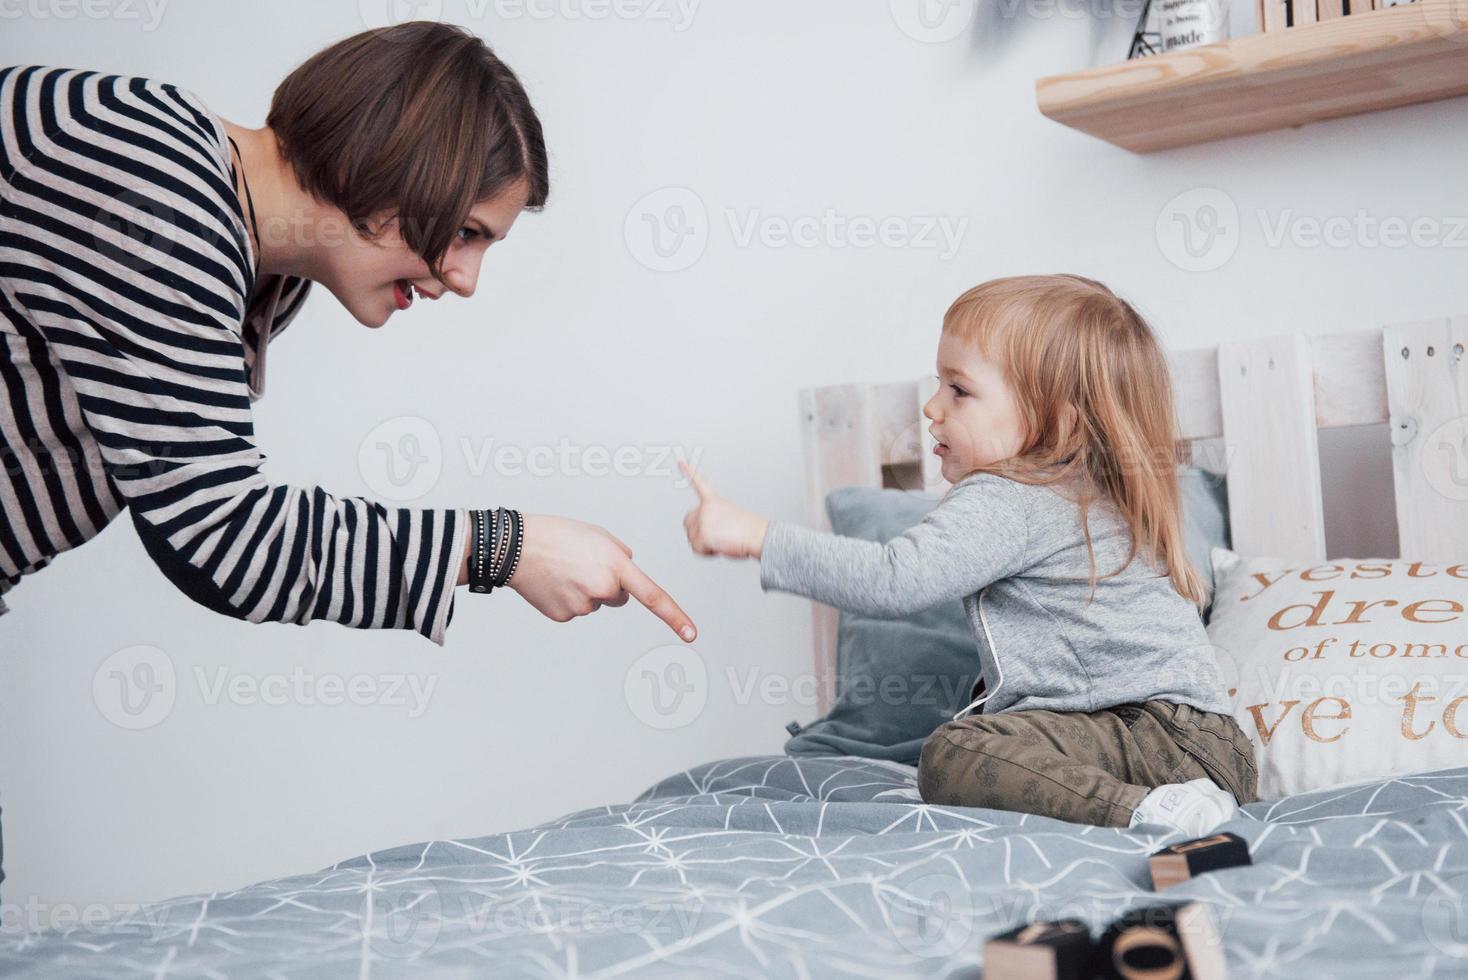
(811, 867)
(815, 866)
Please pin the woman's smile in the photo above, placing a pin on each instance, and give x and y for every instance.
(402, 294)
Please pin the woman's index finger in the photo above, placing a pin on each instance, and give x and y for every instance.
(642, 588)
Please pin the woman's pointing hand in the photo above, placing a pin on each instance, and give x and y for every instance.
(570, 568)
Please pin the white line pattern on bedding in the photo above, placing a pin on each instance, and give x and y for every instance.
(813, 867)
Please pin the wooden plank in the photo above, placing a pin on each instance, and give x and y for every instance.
(1337, 67)
(1274, 15)
(1273, 459)
(1349, 382)
(899, 436)
(842, 449)
(1427, 387)
(1195, 392)
(932, 466)
(1350, 379)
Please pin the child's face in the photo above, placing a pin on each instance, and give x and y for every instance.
(975, 419)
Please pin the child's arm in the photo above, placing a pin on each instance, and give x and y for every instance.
(977, 535)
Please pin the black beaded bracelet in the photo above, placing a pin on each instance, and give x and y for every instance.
(513, 548)
(481, 577)
(501, 544)
(497, 543)
(519, 546)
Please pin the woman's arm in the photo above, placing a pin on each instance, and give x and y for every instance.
(463, 576)
(122, 244)
(569, 568)
(121, 247)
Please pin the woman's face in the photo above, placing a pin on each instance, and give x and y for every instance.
(377, 277)
(975, 419)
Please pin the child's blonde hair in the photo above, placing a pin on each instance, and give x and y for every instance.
(1065, 341)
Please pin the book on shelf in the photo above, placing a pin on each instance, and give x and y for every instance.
(1276, 15)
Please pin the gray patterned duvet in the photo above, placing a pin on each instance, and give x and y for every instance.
(813, 867)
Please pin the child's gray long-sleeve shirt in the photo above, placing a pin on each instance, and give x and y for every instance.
(1016, 556)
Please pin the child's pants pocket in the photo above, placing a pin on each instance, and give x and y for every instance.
(1216, 743)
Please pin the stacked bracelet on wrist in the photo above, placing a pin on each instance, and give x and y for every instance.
(499, 537)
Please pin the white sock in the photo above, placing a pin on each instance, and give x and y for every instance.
(1194, 808)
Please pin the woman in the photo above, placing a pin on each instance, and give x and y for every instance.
(149, 252)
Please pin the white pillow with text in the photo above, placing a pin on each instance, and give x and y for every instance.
(1343, 671)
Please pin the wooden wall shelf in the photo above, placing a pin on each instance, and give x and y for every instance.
(1339, 67)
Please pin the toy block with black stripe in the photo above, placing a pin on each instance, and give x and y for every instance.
(1060, 950)
(1184, 861)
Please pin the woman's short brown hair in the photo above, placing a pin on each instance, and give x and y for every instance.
(421, 120)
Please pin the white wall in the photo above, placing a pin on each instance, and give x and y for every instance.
(771, 107)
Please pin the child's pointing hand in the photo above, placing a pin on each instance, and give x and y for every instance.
(719, 527)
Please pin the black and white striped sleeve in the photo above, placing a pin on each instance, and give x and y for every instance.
(122, 246)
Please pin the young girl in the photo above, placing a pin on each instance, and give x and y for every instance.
(1099, 699)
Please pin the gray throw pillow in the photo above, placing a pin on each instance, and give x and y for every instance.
(898, 680)
(1205, 519)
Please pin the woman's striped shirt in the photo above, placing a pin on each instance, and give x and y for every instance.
(128, 366)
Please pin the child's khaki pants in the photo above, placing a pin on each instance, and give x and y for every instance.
(1086, 768)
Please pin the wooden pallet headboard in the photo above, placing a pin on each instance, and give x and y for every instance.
(1266, 398)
